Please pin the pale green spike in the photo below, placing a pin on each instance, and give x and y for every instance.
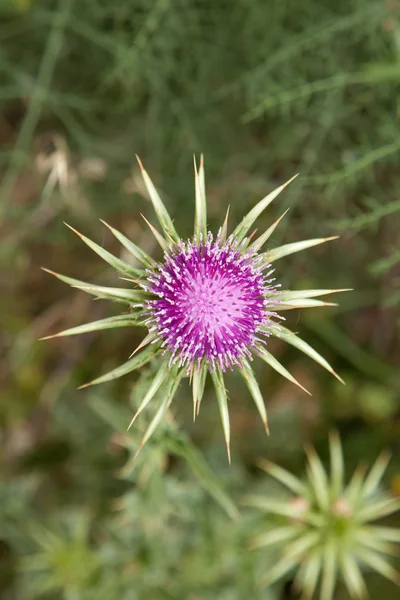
(137, 252)
(275, 536)
(312, 572)
(337, 465)
(222, 400)
(318, 479)
(199, 381)
(254, 389)
(280, 569)
(260, 241)
(154, 386)
(365, 539)
(379, 509)
(169, 396)
(377, 563)
(300, 303)
(110, 323)
(389, 534)
(116, 263)
(287, 479)
(116, 294)
(200, 223)
(277, 253)
(276, 365)
(294, 295)
(297, 548)
(329, 567)
(284, 509)
(224, 228)
(157, 235)
(243, 228)
(352, 577)
(158, 205)
(150, 337)
(291, 338)
(69, 280)
(375, 475)
(353, 489)
(131, 365)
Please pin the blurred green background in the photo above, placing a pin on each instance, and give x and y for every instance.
(265, 89)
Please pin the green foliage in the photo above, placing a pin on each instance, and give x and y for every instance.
(264, 90)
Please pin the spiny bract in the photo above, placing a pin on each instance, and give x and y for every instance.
(326, 531)
(210, 305)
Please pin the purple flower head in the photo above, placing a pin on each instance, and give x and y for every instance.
(211, 301)
(209, 306)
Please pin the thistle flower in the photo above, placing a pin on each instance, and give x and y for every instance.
(210, 305)
(327, 532)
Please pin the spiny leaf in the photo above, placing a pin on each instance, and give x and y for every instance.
(379, 564)
(116, 263)
(137, 252)
(318, 478)
(353, 489)
(291, 338)
(277, 253)
(300, 546)
(69, 280)
(375, 475)
(224, 228)
(251, 382)
(157, 235)
(199, 381)
(115, 294)
(284, 509)
(299, 303)
(287, 479)
(131, 365)
(379, 509)
(294, 295)
(154, 386)
(337, 465)
(150, 337)
(110, 323)
(275, 536)
(173, 386)
(311, 573)
(260, 241)
(280, 569)
(222, 400)
(276, 365)
(242, 229)
(352, 577)
(389, 534)
(366, 539)
(200, 223)
(328, 570)
(158, 205)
